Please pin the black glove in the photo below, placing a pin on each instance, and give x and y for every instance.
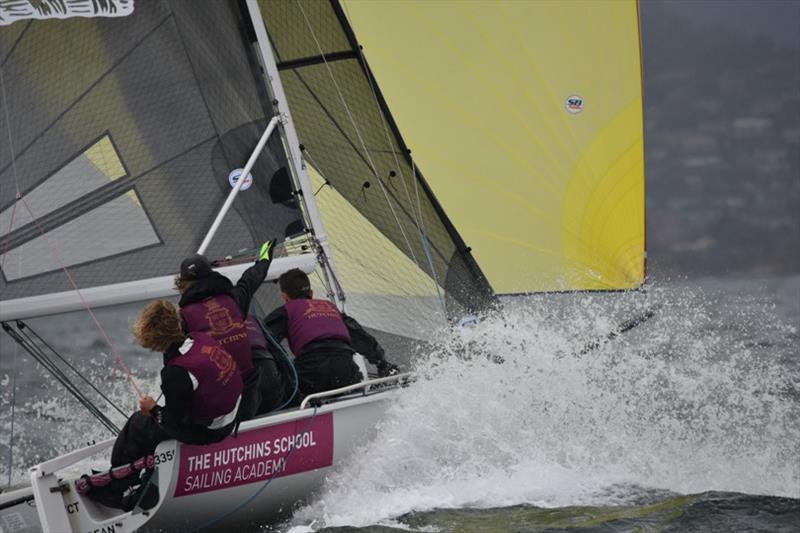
(385, 369)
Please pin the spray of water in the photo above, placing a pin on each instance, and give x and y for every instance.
(702, 397)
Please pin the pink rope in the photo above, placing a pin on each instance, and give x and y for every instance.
(8, 233)
(54, 251)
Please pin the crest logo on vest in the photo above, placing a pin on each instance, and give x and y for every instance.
(219, 318)
(321, 308)
(222, 360)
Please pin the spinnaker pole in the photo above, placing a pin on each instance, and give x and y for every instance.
(242, 178)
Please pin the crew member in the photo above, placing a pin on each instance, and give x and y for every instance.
(202, 388)
(211, 304)
(321, 338)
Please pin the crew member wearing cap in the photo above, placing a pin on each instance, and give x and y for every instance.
(211, 304)
(321, 338)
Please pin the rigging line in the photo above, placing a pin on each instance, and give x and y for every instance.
(13, 414)
(357, 131)
(71, 367)
(37, 353)
(338, 89)
(382, 117)
(63, 266)
(435, 277)
(424, 238)
(14, 46)
(23, 340)
(327, 288)
(8, 235)
(289, 361)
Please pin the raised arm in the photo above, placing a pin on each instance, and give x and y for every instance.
(252, 278)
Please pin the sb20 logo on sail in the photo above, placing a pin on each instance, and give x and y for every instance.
(574, 104)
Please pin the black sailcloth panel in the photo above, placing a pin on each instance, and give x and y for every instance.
(120, 134)
(350, 137)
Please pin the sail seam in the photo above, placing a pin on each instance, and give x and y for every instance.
(386, 129)
(417, 216)
(14, 46)
(360, 156)
(87, 91)
(487, 293)
(72, 282)
(86, 203)
(317, 60)
(358, 133)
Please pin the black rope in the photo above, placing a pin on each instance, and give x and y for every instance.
(619, 330)
(22, 325)
(27, 343)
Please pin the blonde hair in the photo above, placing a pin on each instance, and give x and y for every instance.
(182, 285)
(159, 326)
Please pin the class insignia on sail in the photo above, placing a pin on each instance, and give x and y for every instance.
(14, 10)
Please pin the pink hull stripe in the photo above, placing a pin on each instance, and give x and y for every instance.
(257, 455)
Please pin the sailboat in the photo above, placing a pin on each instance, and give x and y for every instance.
(141, 132)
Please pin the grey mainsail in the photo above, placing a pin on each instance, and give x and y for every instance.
(120, 133)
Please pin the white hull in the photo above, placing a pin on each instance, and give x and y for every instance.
(274, 464)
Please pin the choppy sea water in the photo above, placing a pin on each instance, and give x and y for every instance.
(689, 422)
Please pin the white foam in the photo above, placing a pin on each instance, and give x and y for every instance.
(685, 404)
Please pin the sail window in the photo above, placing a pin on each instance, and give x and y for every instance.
(94, 167)
(86, 214)
(115, 227)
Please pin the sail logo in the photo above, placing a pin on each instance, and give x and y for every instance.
(574, 104)
(13, 10)
(233, 179)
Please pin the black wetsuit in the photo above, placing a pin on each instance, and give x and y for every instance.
(142, 433)
(328, 363)
(264, 390)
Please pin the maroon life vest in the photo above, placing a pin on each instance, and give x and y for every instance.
(219, 382)
(220, 317)
(313, 320)
(257, 340)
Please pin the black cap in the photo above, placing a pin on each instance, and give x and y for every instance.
(195, 267)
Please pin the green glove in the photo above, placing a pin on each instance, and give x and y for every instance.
(266, 250)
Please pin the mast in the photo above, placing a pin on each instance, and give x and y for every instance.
(291, 144)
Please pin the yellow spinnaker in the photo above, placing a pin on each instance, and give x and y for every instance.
(526, 118)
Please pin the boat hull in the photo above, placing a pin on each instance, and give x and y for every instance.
(273, 465)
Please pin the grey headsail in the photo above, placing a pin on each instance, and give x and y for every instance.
(385, 225)
(119, 134)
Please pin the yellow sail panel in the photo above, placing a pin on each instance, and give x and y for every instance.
(384, 288)
(526, 118)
